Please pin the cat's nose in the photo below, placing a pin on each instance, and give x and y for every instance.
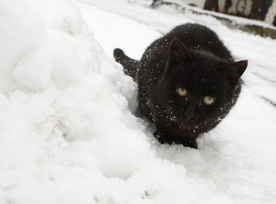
(189, 113)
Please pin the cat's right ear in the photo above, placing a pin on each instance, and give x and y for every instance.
(235, 70)
(178, 53)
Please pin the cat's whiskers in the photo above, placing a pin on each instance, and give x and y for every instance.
(181, 125)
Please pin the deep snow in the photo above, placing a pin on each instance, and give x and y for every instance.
(67, 129)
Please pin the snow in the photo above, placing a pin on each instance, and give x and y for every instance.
(68, 132)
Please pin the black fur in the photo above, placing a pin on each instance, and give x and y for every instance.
(191, 57)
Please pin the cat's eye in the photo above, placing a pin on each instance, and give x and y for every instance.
(208, 100)
(182, 91)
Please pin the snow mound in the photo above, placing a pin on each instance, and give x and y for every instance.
(35, 58)
(21, 31)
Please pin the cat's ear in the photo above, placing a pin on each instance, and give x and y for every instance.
(235, 70)
(177, 53)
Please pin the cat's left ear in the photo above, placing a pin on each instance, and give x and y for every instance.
(179, 50)
(178, 53)
(235, 70)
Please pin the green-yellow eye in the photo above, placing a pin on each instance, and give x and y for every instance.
(182, 91)
(208, 100)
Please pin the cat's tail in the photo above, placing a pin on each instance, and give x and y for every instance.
(131, 66)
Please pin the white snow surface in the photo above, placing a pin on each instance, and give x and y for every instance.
(67, 130)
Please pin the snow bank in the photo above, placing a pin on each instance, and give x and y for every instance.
(63, 108)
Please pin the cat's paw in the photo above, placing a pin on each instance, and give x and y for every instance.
(170, 139)
(118, 54)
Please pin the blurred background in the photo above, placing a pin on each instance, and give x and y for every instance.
(258, 10)
(264, 10)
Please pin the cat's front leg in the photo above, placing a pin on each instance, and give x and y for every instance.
(131, 66)
(119, 55)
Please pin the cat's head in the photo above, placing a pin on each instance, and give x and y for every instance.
(199, 87)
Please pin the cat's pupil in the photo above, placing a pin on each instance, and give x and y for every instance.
(208, 100)
(182, 91)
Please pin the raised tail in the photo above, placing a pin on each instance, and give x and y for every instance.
(131, 66)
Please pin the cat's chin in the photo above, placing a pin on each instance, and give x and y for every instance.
(194, 125)
(191, 122)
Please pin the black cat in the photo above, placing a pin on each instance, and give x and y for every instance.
(187, 82)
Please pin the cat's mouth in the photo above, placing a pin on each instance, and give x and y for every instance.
(192, 121)
(192, 126)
